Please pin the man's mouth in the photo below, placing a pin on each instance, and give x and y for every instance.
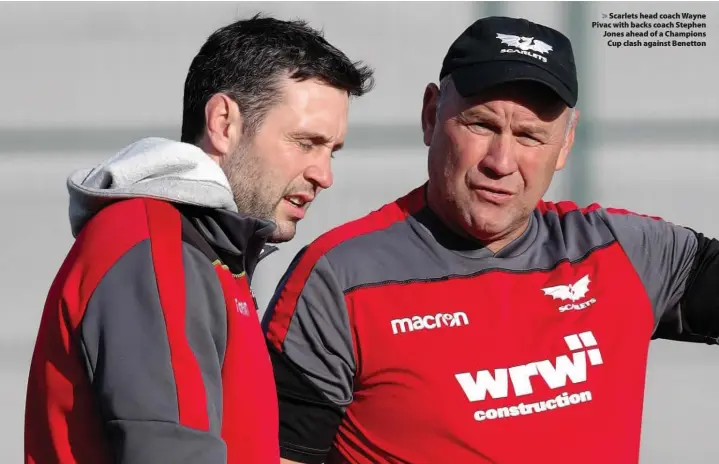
(495, 195)
(300, 201)
(495, 190)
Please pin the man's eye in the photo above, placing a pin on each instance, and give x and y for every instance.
(529, 139)
(482, 125)
(305, 145)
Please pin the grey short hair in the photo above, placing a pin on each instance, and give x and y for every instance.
(444, 84)
(570, 121)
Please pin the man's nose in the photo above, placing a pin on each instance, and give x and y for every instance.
(500, 157)
(319, 173)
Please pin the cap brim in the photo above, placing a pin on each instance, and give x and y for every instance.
(472, 80)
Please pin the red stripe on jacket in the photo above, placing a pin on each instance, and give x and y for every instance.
(165, 228)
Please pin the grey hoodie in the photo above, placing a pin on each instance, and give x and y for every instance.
(152, 167)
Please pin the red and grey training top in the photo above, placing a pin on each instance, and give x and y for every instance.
(395, 341)
(150, 348)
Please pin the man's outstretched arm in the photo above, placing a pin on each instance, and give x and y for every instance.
(152, 338)
(696, 317)
(680, 271)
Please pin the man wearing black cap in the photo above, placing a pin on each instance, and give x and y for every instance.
(470, 321)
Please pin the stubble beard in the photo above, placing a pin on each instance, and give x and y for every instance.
(254, 192)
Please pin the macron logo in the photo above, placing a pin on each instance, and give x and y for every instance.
(554, 373)
(410, 324)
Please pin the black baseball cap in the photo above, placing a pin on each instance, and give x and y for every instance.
(497, 49)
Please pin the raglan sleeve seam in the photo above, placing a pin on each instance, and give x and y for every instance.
(661, 254)
(604, 216)
(80, 336)
(210, 272)
(350, 317)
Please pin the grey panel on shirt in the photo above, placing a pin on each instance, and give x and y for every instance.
(319, 339)
(417, 249)
(661, 252)
(127, 352)
(206, 326)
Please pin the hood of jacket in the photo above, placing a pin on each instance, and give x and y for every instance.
(152, 167)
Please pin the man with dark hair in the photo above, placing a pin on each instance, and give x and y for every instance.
(150, 349)
(261, 66)
(470, 321)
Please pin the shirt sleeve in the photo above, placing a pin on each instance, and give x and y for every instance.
(153, 357)
(307, 326)
(679, 268)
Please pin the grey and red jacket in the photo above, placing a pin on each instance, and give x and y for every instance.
(149, 348)
(394, 340)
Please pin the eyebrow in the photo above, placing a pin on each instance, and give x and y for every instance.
(533, 128)
(478, 113)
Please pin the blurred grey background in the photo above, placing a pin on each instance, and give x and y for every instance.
(81, 80)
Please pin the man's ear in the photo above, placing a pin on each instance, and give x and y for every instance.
(223, 124)
(429, 112)
(568, 143)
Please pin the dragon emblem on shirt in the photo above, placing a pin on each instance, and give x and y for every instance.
(573, 292)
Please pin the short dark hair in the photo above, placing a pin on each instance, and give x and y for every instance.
(247, 58)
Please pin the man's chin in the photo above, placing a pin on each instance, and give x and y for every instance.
(284, 232)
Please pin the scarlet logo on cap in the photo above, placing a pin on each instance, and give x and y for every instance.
(524, 44)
